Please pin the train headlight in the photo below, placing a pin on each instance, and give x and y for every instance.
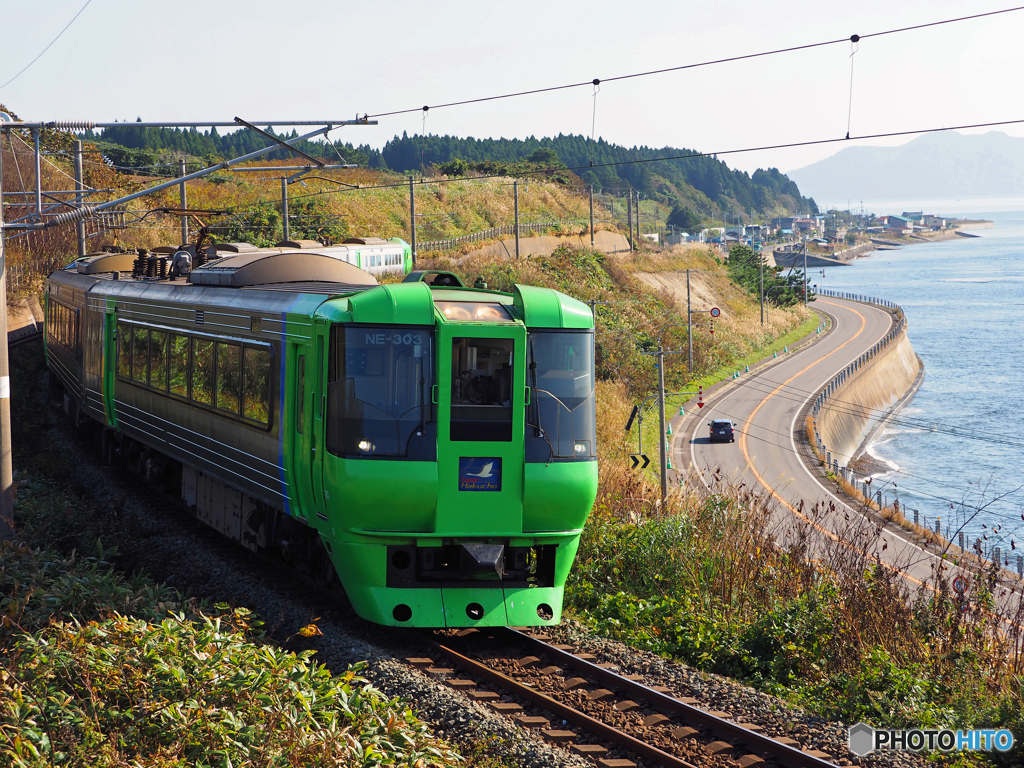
(582, 448)
(474, 311)
(366, 446)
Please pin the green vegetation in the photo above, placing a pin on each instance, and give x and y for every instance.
(707, 584)
(745, 268)
(101, 669)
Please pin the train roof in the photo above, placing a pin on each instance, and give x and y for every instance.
(248, 270)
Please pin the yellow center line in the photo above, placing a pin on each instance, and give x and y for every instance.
(772, 491)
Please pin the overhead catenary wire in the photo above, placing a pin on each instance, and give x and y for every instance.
(25, 68)
(682, 67)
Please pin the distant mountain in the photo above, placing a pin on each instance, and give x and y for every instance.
(936, 165)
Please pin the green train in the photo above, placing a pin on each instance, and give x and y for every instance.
(429, 445)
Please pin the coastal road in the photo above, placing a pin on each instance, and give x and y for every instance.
(768, 455)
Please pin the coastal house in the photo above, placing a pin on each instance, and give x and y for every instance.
(899, 225)
(915, 217)
(935, 222)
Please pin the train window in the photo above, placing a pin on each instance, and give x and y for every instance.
(256, 384)
(482, 389)
(561, 414)
(158, 359)
(62, 325)
(140, 353)
(378, 401)
(300, 398)
(124, 350)
(229, 376)
(202, 371)
(179, 348)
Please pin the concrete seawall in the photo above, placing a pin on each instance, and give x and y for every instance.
(859, 400)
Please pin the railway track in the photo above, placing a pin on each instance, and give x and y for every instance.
(619, 721)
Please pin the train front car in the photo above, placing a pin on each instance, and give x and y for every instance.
(460, 452)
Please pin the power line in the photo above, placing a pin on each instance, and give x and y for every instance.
(47, 47)
(742, 57)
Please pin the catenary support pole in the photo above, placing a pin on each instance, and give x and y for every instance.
(79, 198)
(591, 215)
(39, 176)
(284, 209)
(412, 219)
(515, 198)
(661, 424)
(6, 467)
(183, 202)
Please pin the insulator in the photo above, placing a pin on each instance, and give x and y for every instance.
(71, 125)
(79, 213)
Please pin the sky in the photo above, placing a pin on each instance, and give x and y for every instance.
(329, 60)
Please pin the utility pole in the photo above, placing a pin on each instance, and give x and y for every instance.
(636, 218)
(515, 198)
(805, 274)
(6, 467)
(760, 261)
(183, 198)
(412, 219)
(284, 208)
(661, 421)
(591, 215)
(689, 325)
(629, 217)
(79, 198)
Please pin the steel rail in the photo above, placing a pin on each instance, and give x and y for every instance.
(565, 712)
(757, 742)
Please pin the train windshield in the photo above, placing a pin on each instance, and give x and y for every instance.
(561, 415)
(378, 397)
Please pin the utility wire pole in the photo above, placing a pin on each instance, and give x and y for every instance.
(284, 208)
(805, 274)
(689, 326)
(629, 217)
(515, 197)
(761, 291)
(412, 219)
(592, 216)
(183, 198)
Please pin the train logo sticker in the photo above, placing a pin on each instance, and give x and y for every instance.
(479, 474)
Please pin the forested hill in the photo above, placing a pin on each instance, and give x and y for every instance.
(704, 184)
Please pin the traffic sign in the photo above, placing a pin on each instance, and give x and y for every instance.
(715, 311)
(700, 397)
(960, 583)
(637, 457)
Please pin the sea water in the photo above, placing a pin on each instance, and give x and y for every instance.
(955, 453)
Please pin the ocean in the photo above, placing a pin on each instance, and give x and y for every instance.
(955, 452)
